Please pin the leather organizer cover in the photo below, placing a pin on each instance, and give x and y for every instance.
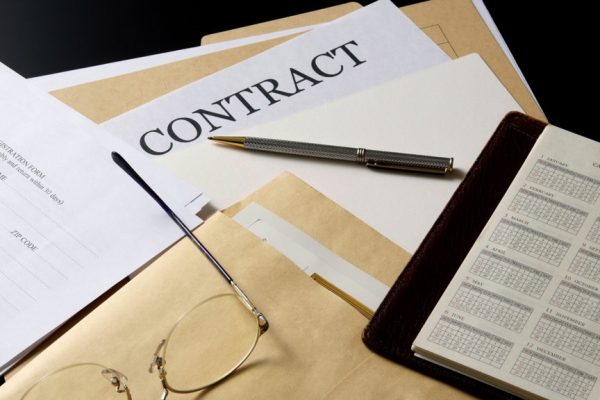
(413, 296)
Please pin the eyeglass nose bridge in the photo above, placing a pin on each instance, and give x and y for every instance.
(117, 379)
(157, 360)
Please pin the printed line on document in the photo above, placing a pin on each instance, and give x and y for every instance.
(10, 304)
(43, 259)
(52, 266)
(51, 243)
(58, 225)
(16, 283)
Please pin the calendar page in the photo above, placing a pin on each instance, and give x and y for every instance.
(523, 311)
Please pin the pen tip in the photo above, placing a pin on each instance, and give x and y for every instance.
(238, 141)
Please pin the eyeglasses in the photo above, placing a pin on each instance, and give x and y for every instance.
(206, 345)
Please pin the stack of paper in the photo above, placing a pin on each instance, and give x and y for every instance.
(449, 110)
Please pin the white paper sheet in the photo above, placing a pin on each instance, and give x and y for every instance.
(311, 256)
(72, 224)
(449, 110)
(489, 21)
(369, 46)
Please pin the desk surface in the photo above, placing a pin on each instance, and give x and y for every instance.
(38, 38)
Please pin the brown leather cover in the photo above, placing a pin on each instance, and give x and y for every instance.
(413, 296)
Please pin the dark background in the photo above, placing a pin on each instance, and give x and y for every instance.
(552, 42)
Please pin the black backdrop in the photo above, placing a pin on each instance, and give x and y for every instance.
(553, 43)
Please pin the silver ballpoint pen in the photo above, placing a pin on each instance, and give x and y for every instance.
(370, 158)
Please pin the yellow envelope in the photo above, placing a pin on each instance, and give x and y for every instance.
(313, 348)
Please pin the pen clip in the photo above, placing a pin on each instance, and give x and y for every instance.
(439, 168)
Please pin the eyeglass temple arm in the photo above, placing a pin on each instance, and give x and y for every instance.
(121, 162)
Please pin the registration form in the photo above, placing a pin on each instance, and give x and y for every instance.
(72, 224)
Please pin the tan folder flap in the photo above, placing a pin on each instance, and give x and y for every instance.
(281, 24)
(105, 99)
(375, 379)
(457, 27)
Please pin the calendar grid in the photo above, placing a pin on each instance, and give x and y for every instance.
(553, 375)
(594, 233)
(491, 307)
(549, 211)
(510, 273)
(530, 242)
(471, 342)
(587, 265)
(578, 300)
(565, 181)
(569, 338)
